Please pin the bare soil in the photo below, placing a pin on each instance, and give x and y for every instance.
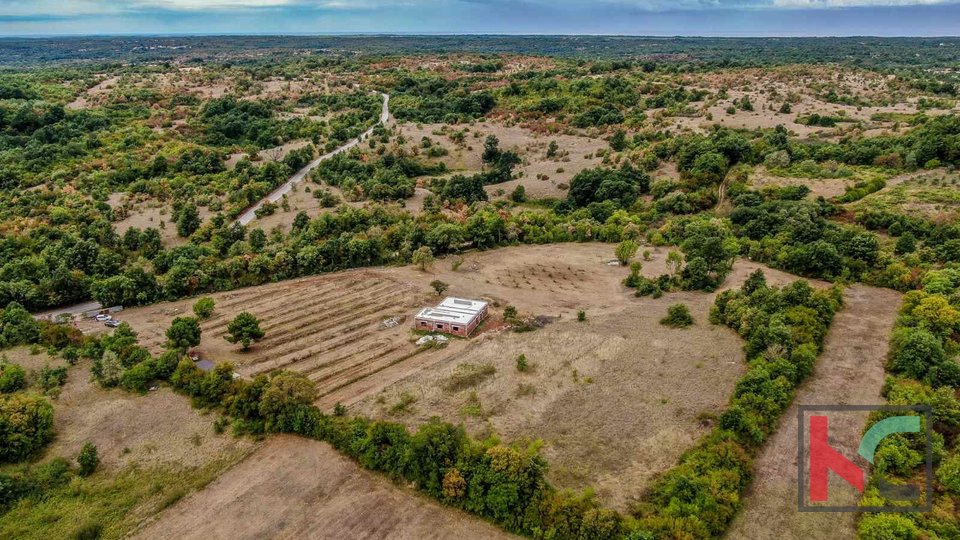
(299, 488)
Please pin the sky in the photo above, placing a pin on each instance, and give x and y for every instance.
(622, 17)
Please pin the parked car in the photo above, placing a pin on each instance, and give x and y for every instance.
(112, 323)
(103, 317)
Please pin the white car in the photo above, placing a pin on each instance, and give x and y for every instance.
(103, 318)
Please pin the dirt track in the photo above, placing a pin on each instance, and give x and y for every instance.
(849, 372)
(298, 488)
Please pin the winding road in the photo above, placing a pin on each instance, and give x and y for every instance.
(250, 214)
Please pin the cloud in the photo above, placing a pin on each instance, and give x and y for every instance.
(11, 8)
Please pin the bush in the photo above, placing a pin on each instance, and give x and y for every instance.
(88, 459)
(522, 364)
(887, 527)
(204, 307)
(12, 377)
(625, 251)
(26, 425)
(678, 316)
(49, 379)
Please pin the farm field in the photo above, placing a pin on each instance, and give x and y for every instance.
(331, 327)
(297, 488)
(605, 395)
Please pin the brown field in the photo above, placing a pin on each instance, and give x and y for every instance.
(849, 372)
(159, 428)
(298, 488)
(615, 399)
(541, 176)
(604, 396)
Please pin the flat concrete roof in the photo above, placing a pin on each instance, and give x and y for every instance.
(454, 310)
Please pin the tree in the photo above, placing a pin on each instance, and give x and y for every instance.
(88, 459)
(12, 377)
(423, 257)
(107, 369)
(618, 143)
(674, 261)
(244, 329)
(17, 326)
(184, 332)
(519, 194)
(286, 392)
(203, 308)
(188, 221)
(907, 243)
(625, 251)
(26, 425)
(439, 286)
(491, 149)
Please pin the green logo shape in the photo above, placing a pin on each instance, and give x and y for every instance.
(887, 426)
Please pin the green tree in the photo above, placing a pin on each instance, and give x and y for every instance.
(26, 425)
(244, 329)
(286, 392)
(188, 221)
(88, 459)
(184, 332)
(423, 257)
(519, 194)
(625, 251)
(12, 377)
(618, 143)
(203, 308)
(439, 286)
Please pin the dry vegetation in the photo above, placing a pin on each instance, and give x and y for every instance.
(298, 488)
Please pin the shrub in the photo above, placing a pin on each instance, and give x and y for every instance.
(88, 459)
(12, 377)
(26, 425)
(678, 316)
(522, 364)
(49, 379)
(948, 474)
(626, 250)
(581, 316)
(887, 527)
(204, 307)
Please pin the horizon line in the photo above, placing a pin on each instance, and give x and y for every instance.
(471, 34)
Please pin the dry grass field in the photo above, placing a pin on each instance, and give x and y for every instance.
(298, 488)
(849, 372)
(540, 175)
(615, 399)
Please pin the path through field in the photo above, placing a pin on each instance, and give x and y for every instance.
(849, 372)
(277, 194)
(299, 488)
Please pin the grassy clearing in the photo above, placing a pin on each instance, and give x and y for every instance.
(111, 504)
